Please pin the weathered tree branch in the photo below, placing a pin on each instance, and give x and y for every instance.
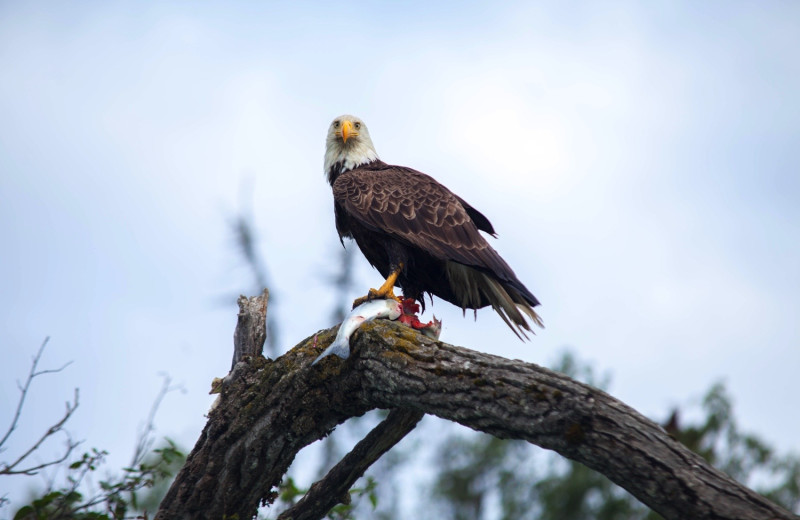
(272, 409)
(251, 327)
(333, 488)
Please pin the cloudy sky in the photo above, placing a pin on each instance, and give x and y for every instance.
(639, 161)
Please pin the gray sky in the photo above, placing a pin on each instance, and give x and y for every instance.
(638, 160)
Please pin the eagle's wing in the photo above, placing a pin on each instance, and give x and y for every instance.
(414, 208)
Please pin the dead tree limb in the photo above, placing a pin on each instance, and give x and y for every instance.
(272, 409)
(251, 327)
(334, 487)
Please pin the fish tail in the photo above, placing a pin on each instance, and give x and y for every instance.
(339, 348)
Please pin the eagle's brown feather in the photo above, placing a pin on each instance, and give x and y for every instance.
(415, 208)
(397, 214)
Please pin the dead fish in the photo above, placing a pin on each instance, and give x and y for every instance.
(390, 309)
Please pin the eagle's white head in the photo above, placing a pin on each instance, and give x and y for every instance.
(347, 146)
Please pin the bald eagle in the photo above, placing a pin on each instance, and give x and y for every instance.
(417, 233)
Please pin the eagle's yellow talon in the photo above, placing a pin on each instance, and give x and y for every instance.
(385, 291)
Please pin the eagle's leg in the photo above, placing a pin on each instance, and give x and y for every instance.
(385, 291)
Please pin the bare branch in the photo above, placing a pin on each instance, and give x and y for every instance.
(277, 407)
(145, 440)
(9, 469)
(334, 487)
(24, 391)
(52, 370)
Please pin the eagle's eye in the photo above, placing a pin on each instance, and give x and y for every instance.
(357, 125)
(336, 124)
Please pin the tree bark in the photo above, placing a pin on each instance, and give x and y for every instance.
(251, 327)
(272, 409)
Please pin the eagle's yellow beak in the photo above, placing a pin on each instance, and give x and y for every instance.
(347, 130)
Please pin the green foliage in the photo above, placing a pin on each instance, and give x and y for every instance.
(111, 499)
(579, 492)
(474, 469)
(346, 511)
(743, 456)
(289, 494)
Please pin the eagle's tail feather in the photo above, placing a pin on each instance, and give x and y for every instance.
(474, 289)
(508, 303)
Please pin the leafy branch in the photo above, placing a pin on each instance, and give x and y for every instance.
(115, 497)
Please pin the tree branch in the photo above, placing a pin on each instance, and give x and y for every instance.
(10, 468)
(23, 389)
(251, 327)
(333, 488)
(275, 408)
(145, 440)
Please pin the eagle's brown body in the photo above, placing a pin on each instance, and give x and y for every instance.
(400, 217)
